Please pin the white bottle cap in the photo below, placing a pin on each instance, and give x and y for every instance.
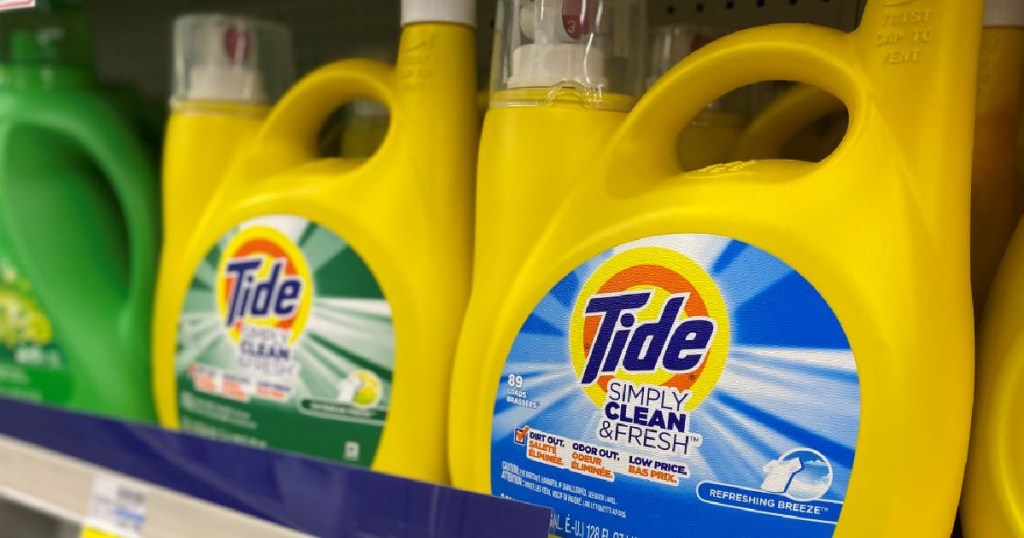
(550, 64)
(1004, 13)
(555, 57)
(225, 84)
(454, 11)
(230, 59)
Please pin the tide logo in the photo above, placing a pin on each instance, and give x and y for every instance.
(652, 316)
(263, 281)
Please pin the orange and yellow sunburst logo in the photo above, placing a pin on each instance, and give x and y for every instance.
(652, 316)
(263, 280)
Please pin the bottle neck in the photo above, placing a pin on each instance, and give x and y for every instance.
(218, 108)
(921, 54)
(921, 58)
(436, 87)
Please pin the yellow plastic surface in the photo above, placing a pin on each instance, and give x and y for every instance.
(993, 501)
(710, 139)
(992, 215)
(200, 141)
(92, 532)
(407, 209)
(780, 131)
(880, 228)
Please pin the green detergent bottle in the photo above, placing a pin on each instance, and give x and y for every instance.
(79, 225)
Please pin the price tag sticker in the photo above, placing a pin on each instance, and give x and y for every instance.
(117, 509)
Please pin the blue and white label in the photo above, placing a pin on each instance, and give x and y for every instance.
(680, 385)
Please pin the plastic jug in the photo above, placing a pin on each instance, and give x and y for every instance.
(992, 497)
(79, 222)
(316, 307)
(747, 350)
(1000, 66)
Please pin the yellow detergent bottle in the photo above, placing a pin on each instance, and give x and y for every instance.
(993, 498)
(316, 306)
(771, 348)
(227, 70)
(993, 219)
(711, 137)
(787, 127)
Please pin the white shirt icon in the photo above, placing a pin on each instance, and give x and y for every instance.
(347, 389)
(780, 473)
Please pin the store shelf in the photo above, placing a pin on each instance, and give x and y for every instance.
(50, 460)
(61, 486)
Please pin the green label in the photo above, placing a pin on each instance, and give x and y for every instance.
(285, 341)
(32, 366)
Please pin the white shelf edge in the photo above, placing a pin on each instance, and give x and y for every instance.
(61, 486)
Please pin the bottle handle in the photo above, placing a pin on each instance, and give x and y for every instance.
(288, 137)
(122, 159)
(782, 119)
(814, 55)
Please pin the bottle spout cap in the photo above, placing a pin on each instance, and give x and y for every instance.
(223, 58)
(550, 64)
(594, 48)
(452, 11)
